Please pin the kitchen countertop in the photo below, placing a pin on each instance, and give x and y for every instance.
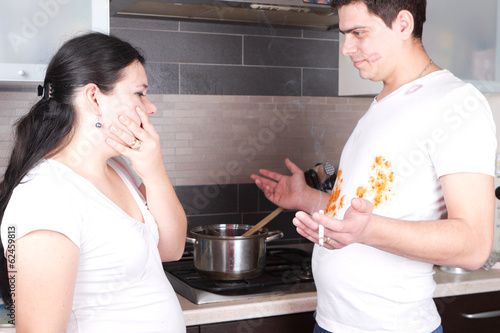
(447, 285)
(479, 281)
(247, 308)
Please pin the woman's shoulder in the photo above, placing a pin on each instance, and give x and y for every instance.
(44, 200)
(46, 181)
(48, 171)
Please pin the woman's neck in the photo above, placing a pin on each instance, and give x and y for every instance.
(86, 154)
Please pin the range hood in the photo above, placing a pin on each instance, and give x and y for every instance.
(279, 13)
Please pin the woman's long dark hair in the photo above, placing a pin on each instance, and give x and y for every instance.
(48, 126)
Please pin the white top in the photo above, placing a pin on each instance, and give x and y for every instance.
(120, 285)
(434, 126)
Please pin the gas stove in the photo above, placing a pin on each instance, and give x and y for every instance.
(287, 271)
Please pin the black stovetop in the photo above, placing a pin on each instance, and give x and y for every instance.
(288, 270)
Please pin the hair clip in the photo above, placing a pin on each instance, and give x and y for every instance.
(45, 91)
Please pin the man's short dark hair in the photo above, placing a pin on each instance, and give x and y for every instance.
(388, 10)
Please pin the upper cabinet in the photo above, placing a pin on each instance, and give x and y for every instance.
(462, 36)
(33, 30)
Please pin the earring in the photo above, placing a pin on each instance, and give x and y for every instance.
(98, 123)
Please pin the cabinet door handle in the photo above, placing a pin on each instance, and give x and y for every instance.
(482, 315)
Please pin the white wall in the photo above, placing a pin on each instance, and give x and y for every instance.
(494, 101)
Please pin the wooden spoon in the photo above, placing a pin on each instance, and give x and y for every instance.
(263, 222)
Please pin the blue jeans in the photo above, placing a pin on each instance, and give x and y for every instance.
(318, 329)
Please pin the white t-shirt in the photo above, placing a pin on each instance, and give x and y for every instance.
(120, 286)
(434, 126)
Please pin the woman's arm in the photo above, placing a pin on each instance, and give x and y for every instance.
(46, 265)
(169, 216)
(157, 189)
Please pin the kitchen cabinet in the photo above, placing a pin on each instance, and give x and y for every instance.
(33, 30)
(462, 36)
(294, 323)
(466, 40)
(483, 310)
(453, 311)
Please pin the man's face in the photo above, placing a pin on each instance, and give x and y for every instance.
(368, 41)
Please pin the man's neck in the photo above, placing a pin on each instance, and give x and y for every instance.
(418, 67)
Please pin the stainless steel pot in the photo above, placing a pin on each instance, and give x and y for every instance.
(222, 253)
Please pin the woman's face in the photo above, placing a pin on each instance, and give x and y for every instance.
(128, 94)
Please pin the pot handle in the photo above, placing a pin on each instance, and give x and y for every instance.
(273, 235)
(190, 240)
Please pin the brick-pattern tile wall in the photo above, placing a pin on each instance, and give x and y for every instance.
(223, 139)
(12, 106)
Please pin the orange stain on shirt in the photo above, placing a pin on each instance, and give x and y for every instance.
(380, 184)
(336, 202)
(361, 192)
(378, 190)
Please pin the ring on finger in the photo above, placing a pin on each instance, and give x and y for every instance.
(136, 144)
(327, 240)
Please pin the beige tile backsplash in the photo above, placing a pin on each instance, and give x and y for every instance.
(224, 139)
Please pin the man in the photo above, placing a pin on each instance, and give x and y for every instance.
(415, 183)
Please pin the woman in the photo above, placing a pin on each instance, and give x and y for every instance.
(83, 237)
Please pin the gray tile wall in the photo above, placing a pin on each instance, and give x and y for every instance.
(224, 59)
